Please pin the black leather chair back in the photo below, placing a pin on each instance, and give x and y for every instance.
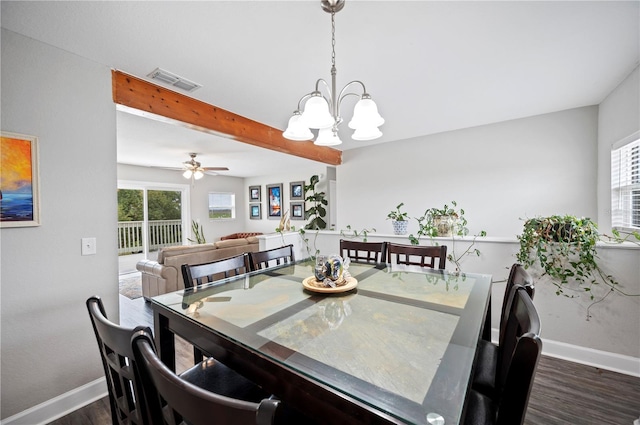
(517, 276)
(518, 358)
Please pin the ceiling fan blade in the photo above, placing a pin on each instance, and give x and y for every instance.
(215, 168)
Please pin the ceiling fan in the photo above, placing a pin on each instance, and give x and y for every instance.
(194, 170)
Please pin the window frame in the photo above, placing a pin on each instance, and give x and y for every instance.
(625, 184)
(231, 206)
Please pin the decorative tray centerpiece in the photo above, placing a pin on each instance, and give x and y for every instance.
(330, 275)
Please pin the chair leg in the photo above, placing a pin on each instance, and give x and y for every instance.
(197, 355)
(486, 331)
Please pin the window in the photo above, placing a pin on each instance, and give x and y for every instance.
(625, 184)
(222, 205)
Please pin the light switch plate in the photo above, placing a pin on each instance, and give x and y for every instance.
(88, 246)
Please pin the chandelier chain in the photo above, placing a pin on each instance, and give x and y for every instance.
(333, 39)
(322, 110)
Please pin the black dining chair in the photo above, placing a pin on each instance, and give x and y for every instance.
(173, 399)
(114, 343)
(417, 255)
(364, 252)
(198, 274)
(517, 364)
(126, 394)
(271, 257)
(484, 379)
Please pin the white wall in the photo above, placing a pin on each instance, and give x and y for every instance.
(48, 346)
(266, 225)
(619, 117)
(498, 173)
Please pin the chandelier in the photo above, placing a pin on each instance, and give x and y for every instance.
(323, 112)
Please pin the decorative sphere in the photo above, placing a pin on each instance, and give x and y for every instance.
(334, 268)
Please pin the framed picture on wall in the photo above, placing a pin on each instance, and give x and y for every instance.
(255, 211)
(296, 191)
(254, 193)
(297, 210)
(274, 205)
(20, 183)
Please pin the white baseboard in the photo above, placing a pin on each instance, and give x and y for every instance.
(80, 397)
(60, 406)
(588, 356)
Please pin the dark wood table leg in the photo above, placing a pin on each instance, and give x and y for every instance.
(486, 330)
(165, 340)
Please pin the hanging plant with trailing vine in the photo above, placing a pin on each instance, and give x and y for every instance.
(565, 249)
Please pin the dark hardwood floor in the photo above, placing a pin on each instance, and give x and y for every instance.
(564, 393)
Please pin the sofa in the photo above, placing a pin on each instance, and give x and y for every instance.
(165, 274)
(240, 235)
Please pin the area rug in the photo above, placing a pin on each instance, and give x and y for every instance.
(130, 285)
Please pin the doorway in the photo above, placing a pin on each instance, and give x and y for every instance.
(150, 216)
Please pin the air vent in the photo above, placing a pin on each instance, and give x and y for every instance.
(173, 80)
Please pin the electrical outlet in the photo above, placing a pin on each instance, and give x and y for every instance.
(88, 246)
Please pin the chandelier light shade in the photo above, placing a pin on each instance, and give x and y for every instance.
(327, 137)
(316, 112)
(322, 111)
(366, 133)
(365, 114)
(297, 130)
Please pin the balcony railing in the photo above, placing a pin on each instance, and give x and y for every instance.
(161, 233)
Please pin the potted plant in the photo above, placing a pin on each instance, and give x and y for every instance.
(315, 214)
(564, 247)
(317, 210)
(198, 233)
(442, 222)
(400, 220)
(447, 222)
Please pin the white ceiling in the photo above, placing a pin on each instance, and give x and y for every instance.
(430, 66)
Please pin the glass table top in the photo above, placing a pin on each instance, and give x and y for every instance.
(403, 341)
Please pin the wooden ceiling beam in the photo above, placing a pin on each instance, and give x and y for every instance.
(136, 93)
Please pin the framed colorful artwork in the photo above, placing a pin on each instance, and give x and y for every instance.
(255, 211)
(296, 191)
(19, 181)
(254, 193)
(274, 193)
(297, 210)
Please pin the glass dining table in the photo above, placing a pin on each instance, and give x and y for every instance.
(397, 348)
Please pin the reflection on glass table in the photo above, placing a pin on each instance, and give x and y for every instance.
(396, 349)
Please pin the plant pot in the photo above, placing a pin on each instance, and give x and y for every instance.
(445, 224)
(555, 231)
(400, 227)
